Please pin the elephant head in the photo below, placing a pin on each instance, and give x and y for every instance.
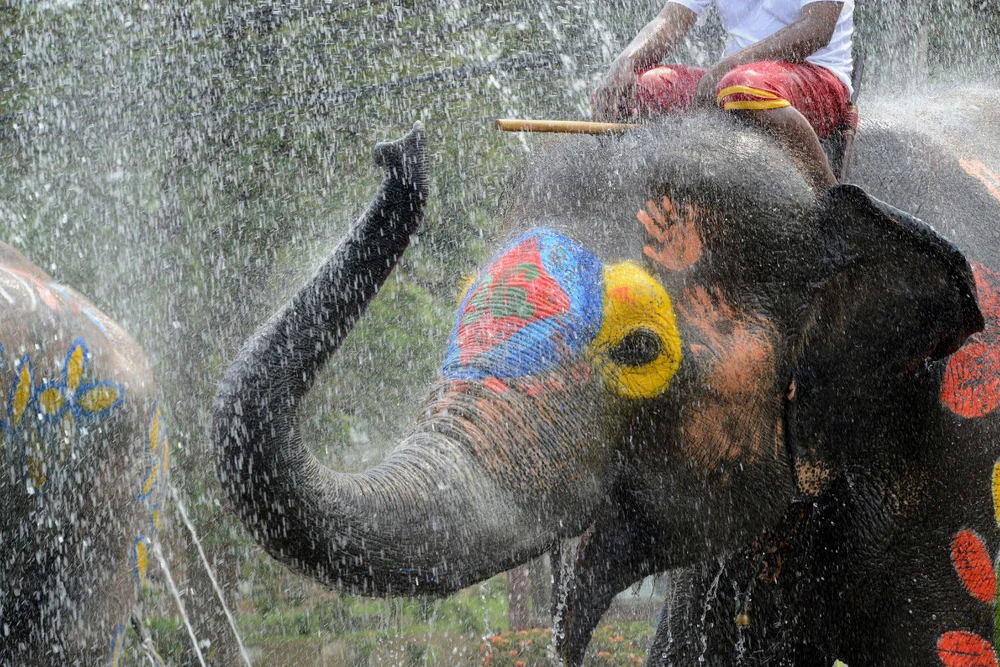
(83, 464)
(638, 365)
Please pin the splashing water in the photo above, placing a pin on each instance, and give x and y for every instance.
(211, 574)
(141, 168)
(704, 612)
(158, 552)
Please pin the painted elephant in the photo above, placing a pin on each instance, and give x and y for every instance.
(679, 346)
(83, 460)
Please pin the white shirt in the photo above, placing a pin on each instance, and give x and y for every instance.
(749, 21)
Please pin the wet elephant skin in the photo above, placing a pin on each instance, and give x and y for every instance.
(887, 566)
(666, 355)
(83, 463)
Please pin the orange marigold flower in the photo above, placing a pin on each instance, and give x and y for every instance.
(522, 633)
(519, 663)
(496, 639)
(513, 652)
(603, 654)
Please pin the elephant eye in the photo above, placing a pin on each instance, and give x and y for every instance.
(638, 348)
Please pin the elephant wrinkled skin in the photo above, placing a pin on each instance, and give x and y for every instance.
(889, 565)
(679, 347)
(83, 459)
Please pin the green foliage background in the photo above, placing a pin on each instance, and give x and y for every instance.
(187, 163)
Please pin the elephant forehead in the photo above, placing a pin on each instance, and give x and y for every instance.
(537, 304)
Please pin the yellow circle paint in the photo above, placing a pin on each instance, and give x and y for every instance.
(634, 300)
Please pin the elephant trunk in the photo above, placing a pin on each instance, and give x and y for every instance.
(427, 519)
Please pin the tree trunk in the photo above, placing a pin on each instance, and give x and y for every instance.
(518, 595)
(540, 581)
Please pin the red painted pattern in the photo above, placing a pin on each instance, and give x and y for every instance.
(965, 649)
(520, 291)
(971, 387)
(41, 289)
(531, 386)
(495, 385)
(676, 244)
(974, 566)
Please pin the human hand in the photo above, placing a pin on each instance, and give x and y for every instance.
(615, 93)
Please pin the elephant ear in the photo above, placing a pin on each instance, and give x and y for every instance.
(891, 295)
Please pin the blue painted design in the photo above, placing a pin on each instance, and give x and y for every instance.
(72, 389)
(89, 314)
(116, 645)
(158, 446)
(62, 386)
(81, 412)
(154, 509)
(47, 415)
(538, 303)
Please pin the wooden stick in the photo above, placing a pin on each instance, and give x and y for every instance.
(564, 126)
(847, 149)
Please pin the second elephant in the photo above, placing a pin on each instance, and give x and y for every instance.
(83, 465)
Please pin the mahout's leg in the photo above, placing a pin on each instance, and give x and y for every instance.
(796, 136)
